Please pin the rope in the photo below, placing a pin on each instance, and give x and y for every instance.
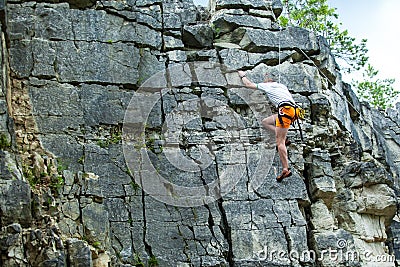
(339, 93)
(319, 70)
(333, 86)
(279, 39)
(330, 82)
(279, 50)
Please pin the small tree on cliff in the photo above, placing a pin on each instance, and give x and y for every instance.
(317, 16)
(376, 91)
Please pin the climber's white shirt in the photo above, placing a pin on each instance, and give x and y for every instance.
(276, 92)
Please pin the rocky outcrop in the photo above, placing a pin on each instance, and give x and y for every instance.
(127, 139)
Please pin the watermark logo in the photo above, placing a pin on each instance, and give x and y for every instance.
(191, 133)
(341, 243)
(340, 254)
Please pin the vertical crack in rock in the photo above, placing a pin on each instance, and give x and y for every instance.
(225, 227)
(246, 159)
(146, 245)
(75, 39)
(285, 231)
(307, 181)
(307, 209)
(211, 224)
(210, 221)
(186, 250)
(142, 199)
(226, 230)
(168, 76)
(5, 75)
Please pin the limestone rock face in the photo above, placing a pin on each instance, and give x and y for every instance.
(128, 139)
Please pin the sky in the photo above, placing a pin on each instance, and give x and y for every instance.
(378, 22)
(375, 20)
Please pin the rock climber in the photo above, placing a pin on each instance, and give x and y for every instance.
(278, 123)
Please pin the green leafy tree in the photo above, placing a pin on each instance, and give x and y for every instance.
(376, 91)
(317, 16)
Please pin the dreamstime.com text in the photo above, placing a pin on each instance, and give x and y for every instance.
(330, 254)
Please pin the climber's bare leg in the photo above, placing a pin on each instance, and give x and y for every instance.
(280, 134)
(269, 123)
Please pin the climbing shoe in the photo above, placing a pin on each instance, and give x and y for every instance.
(284, 174)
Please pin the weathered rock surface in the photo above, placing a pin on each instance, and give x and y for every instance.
(127, 139)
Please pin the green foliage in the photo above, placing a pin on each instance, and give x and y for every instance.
(61, 166)
(309, 14)
(140, 80)
(153, 262)
(81, 160)
(4, 142)
(375, 91)
(135, 186)
(138, 261)
(97, 244)
(56, 182)
(102, 143)
(216, 30)
(318, 17)
(114, 138)
(30, 177)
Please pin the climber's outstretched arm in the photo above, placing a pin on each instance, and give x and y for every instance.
(246, 82)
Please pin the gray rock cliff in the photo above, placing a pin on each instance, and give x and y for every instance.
(127, 139)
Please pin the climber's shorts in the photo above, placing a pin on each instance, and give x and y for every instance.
(285, 117)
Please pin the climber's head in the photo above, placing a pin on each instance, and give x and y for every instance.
(269, 77)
